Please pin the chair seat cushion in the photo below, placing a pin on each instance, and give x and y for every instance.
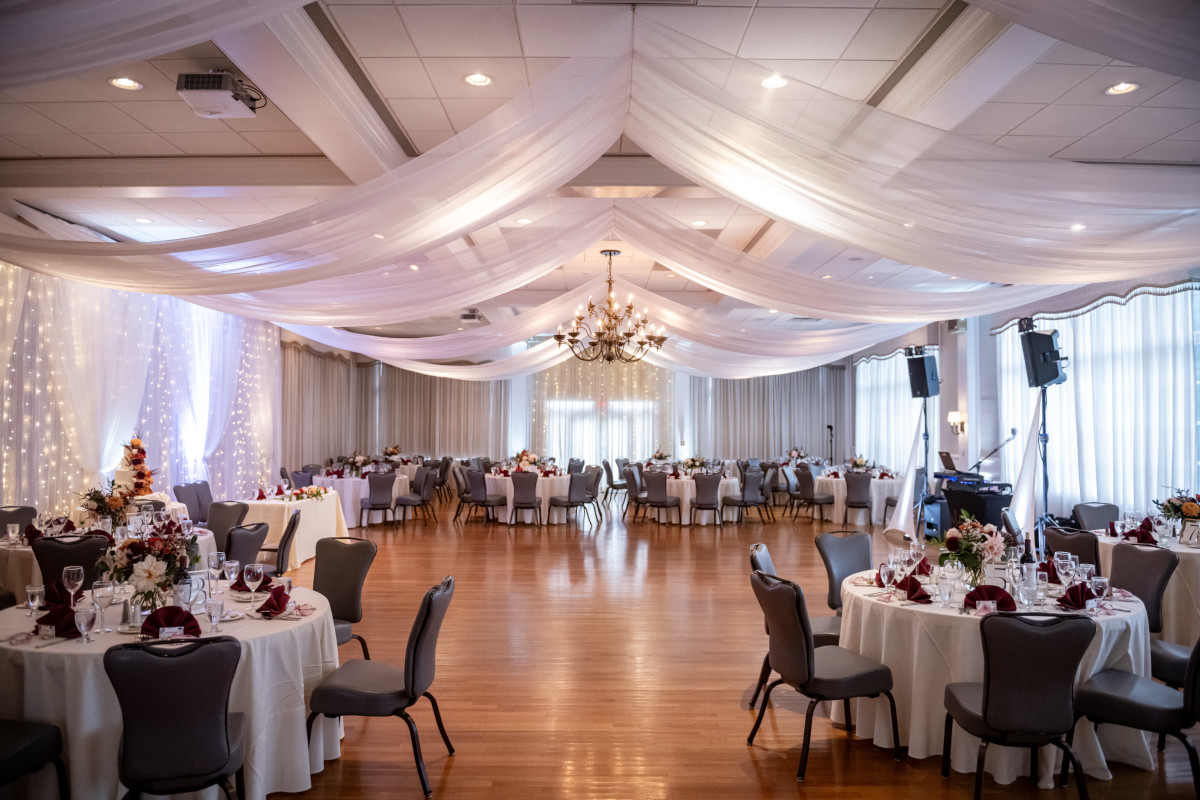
(821, 499)
(565, 501)
(408, 500)
(666, 502)
(26, 747)
(366, 503)
(964, 702)
(495, 500)
(361, 689)
(342, 630)
(618, 485)
(839, 673)
(1122, 698)
(1168, 662)
(191, 783)
(825, 630)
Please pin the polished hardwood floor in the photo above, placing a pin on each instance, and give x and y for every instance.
(616, 661)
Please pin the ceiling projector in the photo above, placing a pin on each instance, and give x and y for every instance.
(218, 95)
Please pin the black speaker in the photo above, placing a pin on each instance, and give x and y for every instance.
(922, 376)
(1043, 366)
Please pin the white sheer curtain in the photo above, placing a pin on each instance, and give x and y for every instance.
(1123, 426)
(600, 411)
(318, 406)
(15, 282)
(884, 411)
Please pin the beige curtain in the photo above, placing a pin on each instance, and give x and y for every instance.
(319, 406)
(434, 416)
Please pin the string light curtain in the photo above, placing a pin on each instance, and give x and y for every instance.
(1123, 426)
(884, 410)
(595, 412)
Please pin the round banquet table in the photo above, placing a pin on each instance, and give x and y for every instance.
(927, 647)
(547, 487)
(881, 489)
(1181, 600)
(352, 491)
(18, 569)
(282, 662)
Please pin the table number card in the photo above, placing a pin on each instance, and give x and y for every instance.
(1190, 532)
(200, 584)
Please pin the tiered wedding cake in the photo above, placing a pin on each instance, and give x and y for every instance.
(133, 476)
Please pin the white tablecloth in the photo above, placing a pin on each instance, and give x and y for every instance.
(881, 489)
(353, 491)
(18, 569)
(282, 662)
(1181, 600)
(927, 647)
(318, 519)
(554, 486)
(685, 490)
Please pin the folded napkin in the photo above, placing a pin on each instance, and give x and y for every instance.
(278, 491)
(32, 534)
(1112, 529)
(1075, 597)
(170, 617)
(56, 595)
(1141, 535)
(833, 474)
(914, 590)
(62, 617)
(1051, 571)
(276, 604)
(878, 580)
(67, 525)
(674, 475)
(341, 473)
(923, 567)
(262, 495)
(239, 585)
(1004, 601)
(505, 473)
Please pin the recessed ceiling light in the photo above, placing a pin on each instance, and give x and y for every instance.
(870, 277)
(1124, 87)
(908, 225)
(460, 329)
(143, 220)
(378, 235)
(413, 267)
(699, 223)
(199, 219)
(386, 274)
(773, 311)
(774, 82)
(128, 84)
(953, 277)
(1079, 226)
(670, 274)
(524, 221)
(826, 277)
(478, 79)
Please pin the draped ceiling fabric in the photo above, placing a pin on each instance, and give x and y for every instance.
(810, 159)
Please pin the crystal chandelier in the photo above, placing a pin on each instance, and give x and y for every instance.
(610, 332)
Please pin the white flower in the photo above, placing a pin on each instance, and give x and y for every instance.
(993, 547)
(533, 457)
(148, 574)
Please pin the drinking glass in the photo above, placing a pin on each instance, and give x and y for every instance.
(216, 563)
(85, 618)
(231, 571)
(1075, 564)
(1099, 585)
(253, 574)
(1026, 594)
(34, 595)
(945, 586)
(72, 578)
(102, 596)
(1043, 588)
(887, 574)
(183, 594)
(105, 524)
(953, 568)
(215, 610)
(1085, 572)
(1066, 572)
(14, 534)
(187, 526)
(1131, 521)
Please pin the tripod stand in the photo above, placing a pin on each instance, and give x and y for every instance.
(1044, 520)
(923, 489)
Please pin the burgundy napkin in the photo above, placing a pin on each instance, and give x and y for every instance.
(405, 461)
(675, 475)
(923, 567)
(834, 474)
(1075, 598)
(1112, 529)
(67, 525)
(56, 595)
(915, 591)
(878, 580)
(1142, 535)
(341, 473)
(62, 617)
(170, 617)
(262, 495)
(1050, 570)
(32, 534)
(276, 604)
(278, 491)
(1004, 601)
(239, 585)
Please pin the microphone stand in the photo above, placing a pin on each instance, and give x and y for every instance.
(830, 443)
(995, 450)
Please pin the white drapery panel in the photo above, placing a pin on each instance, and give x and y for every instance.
(318, 406)
(884, 409)
(595, 412)
(211, 387)
(1159, 34)
(15, 283)
(1122, 427)
(766, 417)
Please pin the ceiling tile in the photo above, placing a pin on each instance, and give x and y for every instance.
(239, 218)
(855, 79)
(1149, 123)
(170, 116)
(465, 113)
(1063, 53)
(1185, 94)
(1036, 145)
(373, 30)
(1097, 148)
(399, 77)
(281, 142)
(888, 34)
(810, 72)
(420, 114)
(211, 144)
(1191, 133)
(720, 27)
(1042, 83)
(425, 141)
(90, 117)
(267, 118)
(997, 118)
(55, 145)
(134, 144)
(1090, 91)
(443, 31)
(284, 205)
(10, 149)
(910, 3)
(228, 204)
(808, 33)
(1168, 150)
(23, 119)
(508, 77)
(1067, 120)
(66, 90)
(538, 68)
(562, 31)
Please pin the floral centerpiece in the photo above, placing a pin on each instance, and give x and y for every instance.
(527, 461)
(113, 504)
(797, 453)
(660, 455)
(695, 462)
(394, 450)
(151, 565)
(974, 545)
(858, 462)
(1181, 505)
(307, 493)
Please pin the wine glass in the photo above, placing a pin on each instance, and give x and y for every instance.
(72, 578)
(183, 594)
(1066, 572)
(887, 574)
(34, 595)
(85, 618)
(1085, 572)
(102, 596)
(216, 563)
(1099, 586)
(252, 574)
(232, 566)
(215, 610)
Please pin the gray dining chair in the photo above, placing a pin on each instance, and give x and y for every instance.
(245, 541)
(808, 494)
(1015, 708)
(302, 479)
(708, 496)
(312, 469)
(819, 673)
(657, 497)
(206, 744)
(525, 496)
(16, 515)
(858, 494)
(186, 493)
(844, 553)
(633, 497)
(374, 689)
(576, 496)
(204, 497)
(26, 747)
(339, 573)
(379, 498)
(767, 496)
(595, 475)
(223, 517)
(1078, 543)
(613, 485)
(1095, 516)
(421, 498)
(479, 498)
(760, 561)
(574, 465)
(67, 551)
(751, 496)
(459, 475)
(283, 474)
(283, 548)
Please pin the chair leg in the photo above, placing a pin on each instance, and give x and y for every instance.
(898, 750)
(1192, 757)
(64, 782)
(1162, 742)
(946, 746)
(308, 723)
(762, 710)
(1070, 754)
(846, 711)
(764, 675)
(983, 746)
(812, 706)
(416, 743)
(239, 782)
(437, 715)
(363, 642)
(1033, 765)
(1063, 778)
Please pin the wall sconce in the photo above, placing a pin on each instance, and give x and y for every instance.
(958, 422)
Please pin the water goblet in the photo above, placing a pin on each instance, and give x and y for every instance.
(215, 610)
(1075, 564)
(1099, 586)
(72, 578)
(1131, 521)
(945, 587)
(232, 567)
(102, 596)
(85, 618)
(1043, 588)
(34, 595)
(1066, 573)
(887, 574)
(1026, 594)
(216, 564)
(253, 575)
(105, 524)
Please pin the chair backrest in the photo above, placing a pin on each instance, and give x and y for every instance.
(708, 489)
(752, 486)
(283, 473)
(1040, 701)
(222, 517)
(431, 478)
(186, 493)
(198, 743)
(621, 462)
(339, 573)
(379, 488)
(205, 497)
(791, 643)
(593, 485)
(1094, 516)
(457, 471)
(478, 485)
(416, 483)
(656, 487)
(1078, 543)
(245, 541)
(284, 551)
(754, 462)
(743, 467)
(476, 463)
(16, 515)
(420, 656)
(142, 504)
(760, 559)
(311, 469)
(574, 465)
(577, 490)
(844, 553)
(858, 487)
(1144, 570)
(638, 485)
(793, 484)
(805, 483)
(525, 487)
(301, 479)
(1008, 521)
(68, 551)
(608, 473)
(630, 478)
(770, 479)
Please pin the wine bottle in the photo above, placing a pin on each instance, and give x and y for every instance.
(1027, 556)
